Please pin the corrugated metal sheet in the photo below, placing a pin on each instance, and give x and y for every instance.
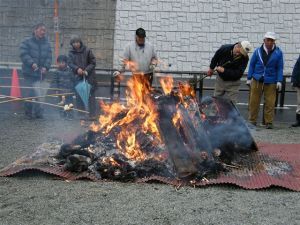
(279, 165)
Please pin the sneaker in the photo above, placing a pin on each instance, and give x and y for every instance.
(269, 126)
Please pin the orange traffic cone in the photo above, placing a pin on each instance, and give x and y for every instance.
(15, 86)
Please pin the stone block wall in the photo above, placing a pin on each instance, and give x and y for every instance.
(186, 33)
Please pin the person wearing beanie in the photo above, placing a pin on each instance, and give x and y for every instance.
(265, 76)
(83, 62)
(230, 62)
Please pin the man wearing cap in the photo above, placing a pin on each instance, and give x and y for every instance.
(230, 62)
(139, 56)
(264, 77)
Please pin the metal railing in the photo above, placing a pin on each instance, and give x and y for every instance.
(199, 86)
(105, 79)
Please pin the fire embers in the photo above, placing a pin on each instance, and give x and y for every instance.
(104, 161)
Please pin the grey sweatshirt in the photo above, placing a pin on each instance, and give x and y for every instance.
(140, 57)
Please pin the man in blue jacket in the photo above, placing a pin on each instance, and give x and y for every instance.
(36, 57)
(264, 77)
(296, 84)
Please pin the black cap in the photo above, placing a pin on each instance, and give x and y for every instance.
(140, 32)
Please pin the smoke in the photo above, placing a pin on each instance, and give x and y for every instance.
(234, 130)
(225, 126)
(41, 87)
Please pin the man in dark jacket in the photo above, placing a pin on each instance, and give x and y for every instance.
(230, 62)
(36, 56)
(83, 62)
(296, 84)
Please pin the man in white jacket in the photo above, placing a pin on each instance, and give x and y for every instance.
(139, 57)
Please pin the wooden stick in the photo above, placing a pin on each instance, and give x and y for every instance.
(14, 99)
(22, 87)
(39, 102)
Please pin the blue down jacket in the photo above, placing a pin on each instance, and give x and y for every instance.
(272, 71)
(36, 51)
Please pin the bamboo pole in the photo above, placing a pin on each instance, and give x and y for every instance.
(30, 99)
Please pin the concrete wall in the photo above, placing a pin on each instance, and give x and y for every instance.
(92, 19)
(186, 33)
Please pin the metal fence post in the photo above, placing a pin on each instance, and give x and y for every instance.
(112, 86)
(201, 87)
(282, 95)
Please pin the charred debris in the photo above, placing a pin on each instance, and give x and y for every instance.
(161, 134)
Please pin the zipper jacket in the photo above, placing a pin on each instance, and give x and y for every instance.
(272, 72)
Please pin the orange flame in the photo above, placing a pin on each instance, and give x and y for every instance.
(167, 84)
(126, 142)
(141, 116)
(131, 65)
(110, 160)
(176, 119)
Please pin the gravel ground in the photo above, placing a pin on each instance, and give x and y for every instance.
(43, 199)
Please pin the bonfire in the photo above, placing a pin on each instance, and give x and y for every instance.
(164, 133)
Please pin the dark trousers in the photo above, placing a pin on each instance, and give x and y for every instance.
(31, 108)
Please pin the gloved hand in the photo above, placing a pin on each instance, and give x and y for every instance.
(68, 107)
(116, 73)
(279, 86)
(117, 76)
(248, 82)
(152, 67)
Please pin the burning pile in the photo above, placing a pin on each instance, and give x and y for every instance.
(163, 134)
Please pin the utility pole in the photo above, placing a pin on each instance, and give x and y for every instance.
(56, 29)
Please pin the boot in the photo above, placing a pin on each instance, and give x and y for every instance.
(297, 123)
